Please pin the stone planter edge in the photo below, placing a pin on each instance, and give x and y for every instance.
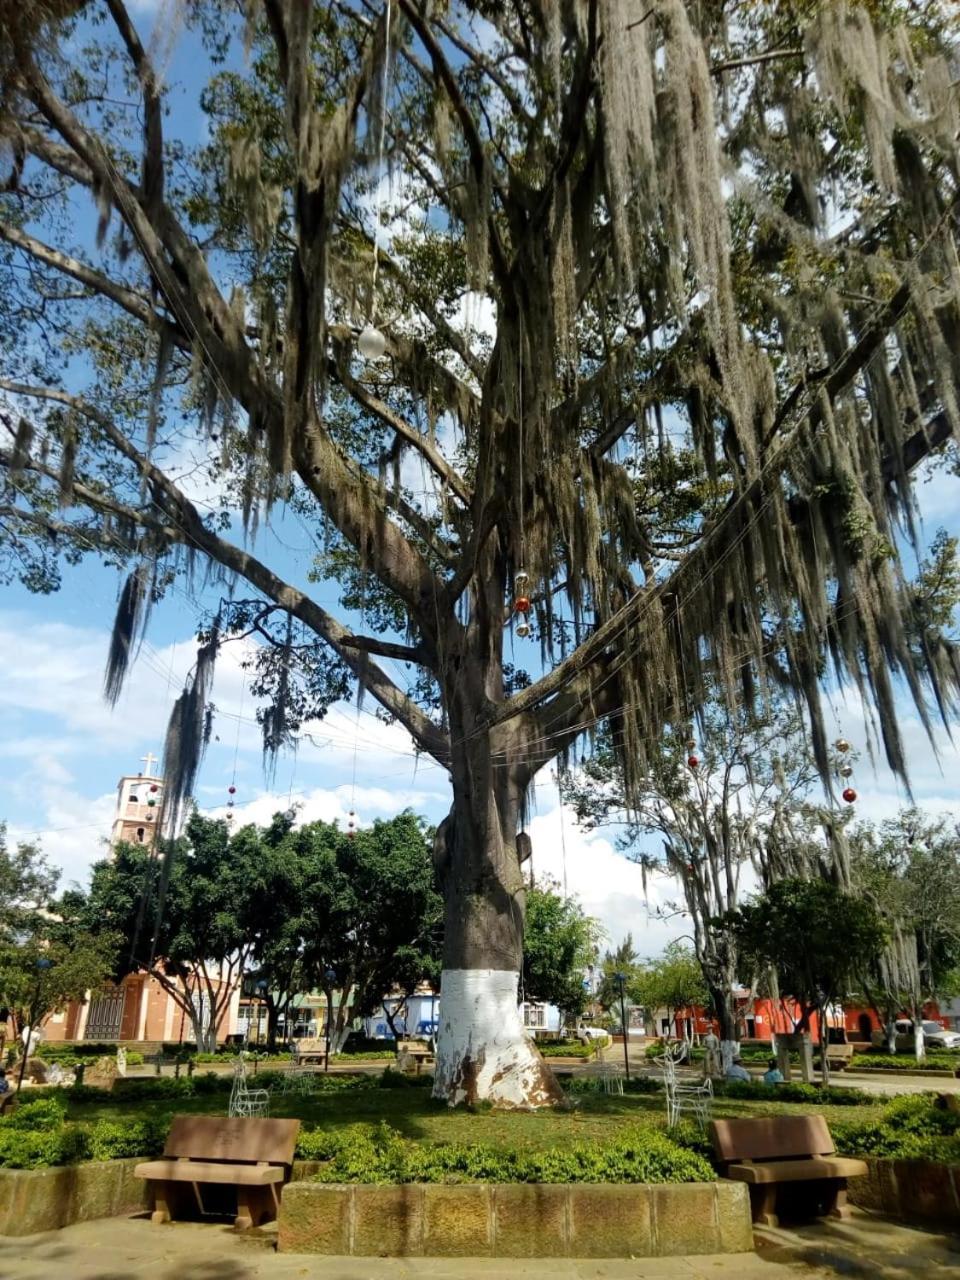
(515, 1220)
(920, 1191)
(33, 1200)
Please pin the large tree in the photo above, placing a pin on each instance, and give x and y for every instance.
(667, 304)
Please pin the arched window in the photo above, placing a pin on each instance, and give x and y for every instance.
(141, 833)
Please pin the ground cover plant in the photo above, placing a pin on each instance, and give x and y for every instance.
(914, 1127)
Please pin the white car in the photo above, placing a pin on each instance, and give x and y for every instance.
(592, 1033)
(937, 1037)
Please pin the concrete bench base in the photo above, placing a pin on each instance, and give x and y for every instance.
(517, 1220)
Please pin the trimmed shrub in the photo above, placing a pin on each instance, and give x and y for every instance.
(940, 1061)
(379, 1154)
(793, 1091)
(38, 1115)
(115, 1139)
(912, 1127)
(38, 1148)
(571, 1048)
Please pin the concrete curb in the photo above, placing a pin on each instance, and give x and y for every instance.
(515, 1220)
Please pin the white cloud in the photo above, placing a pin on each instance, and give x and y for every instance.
(608, 885)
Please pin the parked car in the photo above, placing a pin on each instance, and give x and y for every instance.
(592, 1033)
(937, 1037)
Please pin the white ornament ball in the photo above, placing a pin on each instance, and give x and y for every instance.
(523, 630)
(372, 343)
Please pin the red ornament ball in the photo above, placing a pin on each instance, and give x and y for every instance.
(154, 787)
(232, 790)
(522, 604)
(849, 795)
(351, 834)
(693, 761)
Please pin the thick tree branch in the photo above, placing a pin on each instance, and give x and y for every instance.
(189, 528)
(373, 404)
(152, 108)
(135, 304)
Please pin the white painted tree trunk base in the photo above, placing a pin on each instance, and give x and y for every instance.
(483, 1052)
(728, 1054)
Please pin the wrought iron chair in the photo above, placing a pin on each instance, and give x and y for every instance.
(243, 1100)
(694, 1097)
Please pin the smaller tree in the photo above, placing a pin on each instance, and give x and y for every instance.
(559, 942)
(817, 939)
(196, 932)
(623, 959)
(673, 981)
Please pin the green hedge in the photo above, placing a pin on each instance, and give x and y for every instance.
(571, 1048)
(379, 1154)
(36, 1135)
(794, 1091)
(912, 1127)
(942, 1061)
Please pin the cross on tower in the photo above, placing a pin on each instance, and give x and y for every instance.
(149, 760)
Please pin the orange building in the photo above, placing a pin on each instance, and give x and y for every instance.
(137, 1012)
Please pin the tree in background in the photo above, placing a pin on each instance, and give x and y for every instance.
(47, 955)
(733, 804)
(371, 912)
(719, 262)
(816, 938)
(193, 923)
(910, 867)
(559, 942)
(673, 981)
(623, 959)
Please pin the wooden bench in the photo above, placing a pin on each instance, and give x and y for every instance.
(305, 1050)
(254, 1156)
(421, 1053)
(769, 1152)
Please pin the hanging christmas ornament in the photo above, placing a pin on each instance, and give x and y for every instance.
(522, 604)
(849, 795)
(842, 745)
(846, 771)
(231, 790)
(151, 803)
(691, 744)
(523, 630)
(693, 761)
(520, 581)
(230, 804)
(154, 787)
(229, 817)
(371, 343)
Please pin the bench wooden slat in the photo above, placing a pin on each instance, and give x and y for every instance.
(250, 1175)
(236, 1138)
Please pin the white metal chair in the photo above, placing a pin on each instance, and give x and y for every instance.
(611, 1081)
(695, 1097)
(243, 1100)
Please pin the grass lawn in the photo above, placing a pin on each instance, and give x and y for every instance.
(416, 1116)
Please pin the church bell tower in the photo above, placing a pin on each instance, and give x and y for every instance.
(139, 798)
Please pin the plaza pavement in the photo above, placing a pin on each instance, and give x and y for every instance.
(862, 1248)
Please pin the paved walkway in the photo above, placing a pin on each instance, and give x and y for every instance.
(134, 1249)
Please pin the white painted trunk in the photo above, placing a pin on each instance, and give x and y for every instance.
(483, 1052)
(919, 1045)
(728, 1052)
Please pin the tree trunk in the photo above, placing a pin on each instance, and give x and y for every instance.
(891, 1034)
(725, 1006)
(483, 1052)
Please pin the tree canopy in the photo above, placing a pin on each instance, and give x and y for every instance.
(664, 311)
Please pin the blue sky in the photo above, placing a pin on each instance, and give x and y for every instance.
(63, 748)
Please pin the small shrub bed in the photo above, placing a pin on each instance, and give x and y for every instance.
(230, 1055)
(942, 1061)
(36, 1136)
(794, 1091)
(912, 1127)
(571, 1048)
(365, 1055)
(379, 1154)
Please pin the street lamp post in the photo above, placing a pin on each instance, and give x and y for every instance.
(329, 977)
(43, 964)
(621, 979)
